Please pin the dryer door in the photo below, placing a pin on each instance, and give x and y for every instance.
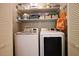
(52, 46)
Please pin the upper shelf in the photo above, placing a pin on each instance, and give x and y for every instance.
(38, 10)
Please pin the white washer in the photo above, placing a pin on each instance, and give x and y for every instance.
(52, 43)
(26, 44)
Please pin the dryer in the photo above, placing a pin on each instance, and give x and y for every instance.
(52, 43)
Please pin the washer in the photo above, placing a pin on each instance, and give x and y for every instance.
(26, 44)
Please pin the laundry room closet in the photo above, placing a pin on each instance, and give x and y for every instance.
(39, 29)
(34, 17)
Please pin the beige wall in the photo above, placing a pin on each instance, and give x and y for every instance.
(38, 24)
(16, 25)
(6, 30)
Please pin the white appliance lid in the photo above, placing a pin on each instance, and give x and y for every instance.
(51, 32)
